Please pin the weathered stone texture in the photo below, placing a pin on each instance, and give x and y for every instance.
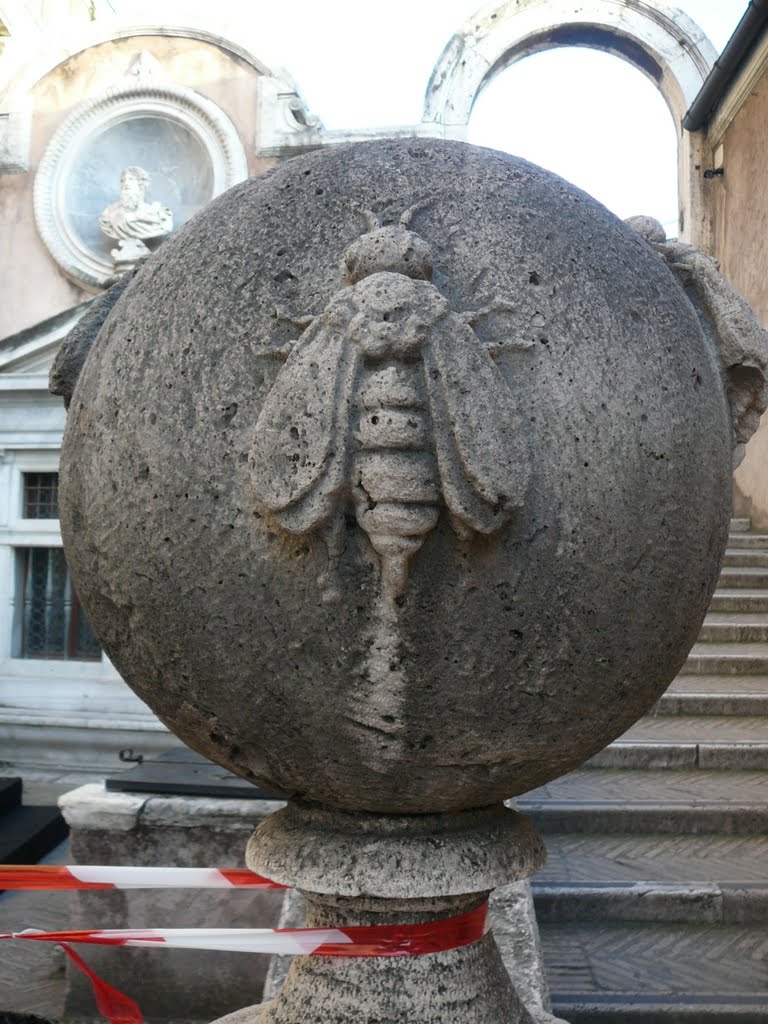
(515, 931)
(510, 656)
(71, 357)
(353, 855)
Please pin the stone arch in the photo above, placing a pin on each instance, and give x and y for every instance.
(660, 41)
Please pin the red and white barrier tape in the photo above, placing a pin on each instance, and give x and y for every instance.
(398, 940)
(92, 876)
(355, 941)
(111, 1003)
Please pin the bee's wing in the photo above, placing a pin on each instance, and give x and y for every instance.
(481, 452)
(298, 459)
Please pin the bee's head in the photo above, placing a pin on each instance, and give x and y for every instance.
(393, 248)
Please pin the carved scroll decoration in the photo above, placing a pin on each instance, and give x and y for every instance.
(741, 339)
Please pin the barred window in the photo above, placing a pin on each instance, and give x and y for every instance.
(53, 622)
(41, 495)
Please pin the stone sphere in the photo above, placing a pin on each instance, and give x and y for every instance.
(399, 478)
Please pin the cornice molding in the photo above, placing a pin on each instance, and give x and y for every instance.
(739, 92)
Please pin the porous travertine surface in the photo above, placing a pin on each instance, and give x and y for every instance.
(238, 526)
(513, 921)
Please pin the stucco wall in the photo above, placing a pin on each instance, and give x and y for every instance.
(741, 230)
(32, 287)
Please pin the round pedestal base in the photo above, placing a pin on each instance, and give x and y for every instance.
(370, 869)
(395, 856)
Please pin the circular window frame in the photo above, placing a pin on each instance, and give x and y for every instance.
(206, 121)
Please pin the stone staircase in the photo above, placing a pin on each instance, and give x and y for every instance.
(653, 908)
(27, 832)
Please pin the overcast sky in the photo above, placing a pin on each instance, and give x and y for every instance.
(583, 114)
(588, 116)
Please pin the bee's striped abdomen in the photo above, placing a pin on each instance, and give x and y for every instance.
(395, 486)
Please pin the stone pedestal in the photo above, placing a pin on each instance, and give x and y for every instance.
(515, 931)
(467, 985)
(138, 829)
(366, 869)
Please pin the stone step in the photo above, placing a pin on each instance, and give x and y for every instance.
(698, 729)
(29, 833)
(658, 801)
(748, 540)
(724, 903)
(10, 793)
(700, 969)
(714, 683)
(747, 577)
(739, 600)
(715, 695)
(727, 659)
(740, 525)
(695, 741)
(654, 903)
(735, 627)
(638, 1008)
(647, 755)
(654, 858)
(746, 556)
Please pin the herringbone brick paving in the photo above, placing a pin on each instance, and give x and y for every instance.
(665, 960)
(584, 858)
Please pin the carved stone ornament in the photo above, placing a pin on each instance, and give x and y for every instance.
(187, 144)
(741, 340)
(532, 458)
(133, 221)
(373, 408)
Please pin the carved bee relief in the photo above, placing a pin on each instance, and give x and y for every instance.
(390, 403)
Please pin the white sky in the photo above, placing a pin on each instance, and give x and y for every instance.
(583, 114)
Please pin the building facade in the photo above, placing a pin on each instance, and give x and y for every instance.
(733, 119)
(185, 107)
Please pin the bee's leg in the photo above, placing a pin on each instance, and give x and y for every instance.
(471, 316)
(302, 322)
(334, 536)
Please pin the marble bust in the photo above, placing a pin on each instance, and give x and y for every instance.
(133, 221)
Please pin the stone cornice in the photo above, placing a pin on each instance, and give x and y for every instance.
(739, 92)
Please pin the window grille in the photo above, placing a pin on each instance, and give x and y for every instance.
(41, 495)
(54, 624)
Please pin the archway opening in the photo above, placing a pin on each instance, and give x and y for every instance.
(592, 118)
